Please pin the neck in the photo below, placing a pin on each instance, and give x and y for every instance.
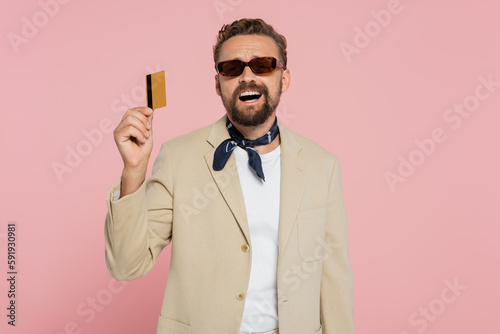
(263, 149)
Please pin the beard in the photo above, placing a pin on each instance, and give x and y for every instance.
(254, 115)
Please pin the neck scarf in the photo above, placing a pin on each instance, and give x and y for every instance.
(224, 150)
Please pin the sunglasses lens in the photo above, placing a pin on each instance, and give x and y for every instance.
(234, 68)
(263, 65)
(231, 68)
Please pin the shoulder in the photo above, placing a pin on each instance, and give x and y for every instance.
(192, 137)
(310, 150)
(183, 148)
(192, 141)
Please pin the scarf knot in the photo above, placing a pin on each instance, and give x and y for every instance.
(225, 149)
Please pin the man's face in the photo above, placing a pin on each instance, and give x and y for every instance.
(241, 109)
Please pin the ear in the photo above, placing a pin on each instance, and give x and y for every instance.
(217, 85)
(285, 80)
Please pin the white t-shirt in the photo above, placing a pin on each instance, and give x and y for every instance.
(262, 202)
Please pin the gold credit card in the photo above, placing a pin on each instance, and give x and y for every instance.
(156, 91)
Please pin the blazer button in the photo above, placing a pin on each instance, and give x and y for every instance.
(240, 295)
(245, 248)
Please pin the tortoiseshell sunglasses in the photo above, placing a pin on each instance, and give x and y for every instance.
(261, 65)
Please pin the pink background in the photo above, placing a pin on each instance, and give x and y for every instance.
(440, 224)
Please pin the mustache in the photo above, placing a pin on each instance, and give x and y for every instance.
(242, 86)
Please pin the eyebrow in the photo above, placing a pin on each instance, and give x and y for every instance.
(253, 56)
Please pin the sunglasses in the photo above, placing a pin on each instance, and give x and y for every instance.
(261, 65)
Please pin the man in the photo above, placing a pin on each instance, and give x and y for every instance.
(254, 211)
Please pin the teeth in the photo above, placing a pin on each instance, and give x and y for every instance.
(247, 93)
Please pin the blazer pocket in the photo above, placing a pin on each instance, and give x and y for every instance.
(311, 224)
(169, 326)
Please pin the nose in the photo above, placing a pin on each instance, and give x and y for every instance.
(247, 75)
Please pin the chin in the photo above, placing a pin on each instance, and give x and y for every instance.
(250, 118)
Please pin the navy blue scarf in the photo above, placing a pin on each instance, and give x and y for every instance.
(224, 150)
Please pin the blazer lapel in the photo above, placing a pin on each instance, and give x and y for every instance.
(293, 170)
(227, 179)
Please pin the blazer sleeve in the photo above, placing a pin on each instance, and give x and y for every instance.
(336, 280)
(139, 225)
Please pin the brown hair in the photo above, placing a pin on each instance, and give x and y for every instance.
(250, 27)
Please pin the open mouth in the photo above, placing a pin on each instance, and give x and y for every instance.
(250, 95)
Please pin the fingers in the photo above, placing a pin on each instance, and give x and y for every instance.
(131, 126)
(135, 123)
(133, 132)
(144, 114)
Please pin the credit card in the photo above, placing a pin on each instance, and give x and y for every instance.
(156, 91)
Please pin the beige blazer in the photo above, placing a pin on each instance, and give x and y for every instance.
(202, 213)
